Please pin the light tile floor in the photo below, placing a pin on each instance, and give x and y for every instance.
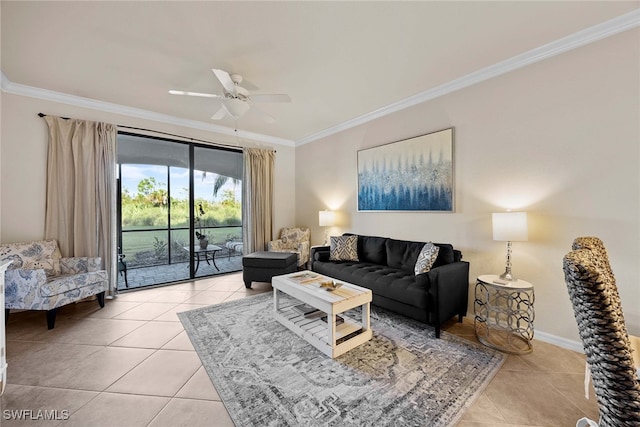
(132, 364)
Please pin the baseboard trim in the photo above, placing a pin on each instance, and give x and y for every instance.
(559, 341)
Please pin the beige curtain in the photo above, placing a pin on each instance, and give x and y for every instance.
(257, 193)
(80, 212)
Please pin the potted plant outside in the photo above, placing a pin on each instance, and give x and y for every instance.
(202, 238)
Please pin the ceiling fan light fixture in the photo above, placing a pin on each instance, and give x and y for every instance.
(235, 99)
(236, 107)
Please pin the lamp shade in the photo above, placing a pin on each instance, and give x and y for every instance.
(326, 218)
(510, 226)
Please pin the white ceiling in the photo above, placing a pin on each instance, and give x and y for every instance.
(339, 61)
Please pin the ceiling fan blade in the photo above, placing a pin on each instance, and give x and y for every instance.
(219, 114)
(203, 95)
(264, 116)
(272, 97)
(225, 81)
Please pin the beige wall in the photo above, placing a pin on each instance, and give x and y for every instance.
(24, 159)
(559, 139)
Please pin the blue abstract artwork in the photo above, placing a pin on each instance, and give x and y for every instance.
(415, 174)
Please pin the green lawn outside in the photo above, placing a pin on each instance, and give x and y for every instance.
(141, 247)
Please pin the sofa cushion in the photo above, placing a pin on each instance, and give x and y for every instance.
(343, 248)
(391, 283)
(403, 254)
(72, 282)
(445, 255)
(43, 254)
(426, 258)
(372, 249)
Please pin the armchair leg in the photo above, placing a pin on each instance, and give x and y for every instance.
(51, 318)
(437, 326)
(460, 316)
(100, 297)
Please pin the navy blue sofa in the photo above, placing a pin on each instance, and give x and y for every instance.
(386, 266)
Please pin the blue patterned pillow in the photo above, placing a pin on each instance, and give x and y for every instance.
(343, 248)
(426, 258)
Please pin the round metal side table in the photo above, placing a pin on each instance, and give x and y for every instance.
(504, 314)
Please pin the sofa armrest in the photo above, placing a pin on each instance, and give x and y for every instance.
(449, 290)
(303, 250)
(75, 265)
(24, 276)
(22, 287)
(303, 246)
(318, 253)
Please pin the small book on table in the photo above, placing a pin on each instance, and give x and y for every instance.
(305, 309)
(339, 319)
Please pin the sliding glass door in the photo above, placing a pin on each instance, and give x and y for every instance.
(217, 201)
(171, 193)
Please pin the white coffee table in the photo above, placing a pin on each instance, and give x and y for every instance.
(331, 339)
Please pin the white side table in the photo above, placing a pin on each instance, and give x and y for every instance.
(504, 314)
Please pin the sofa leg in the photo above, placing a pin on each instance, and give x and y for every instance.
(460, 316)
(100, 297)
(51, 318)
(437, 326)
(247, 284)
(6, 315)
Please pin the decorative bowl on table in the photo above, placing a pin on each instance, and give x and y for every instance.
(330, 285)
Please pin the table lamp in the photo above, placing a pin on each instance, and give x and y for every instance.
(509, 227)
(326, 219)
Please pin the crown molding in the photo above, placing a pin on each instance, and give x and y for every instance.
(581, 38)
(8, 86)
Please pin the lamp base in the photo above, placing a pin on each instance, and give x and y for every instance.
(507, 270)
(508, 277)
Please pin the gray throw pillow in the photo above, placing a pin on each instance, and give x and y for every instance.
(426, 258)
(343, 248)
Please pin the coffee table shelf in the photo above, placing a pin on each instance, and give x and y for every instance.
(316, 327)
(333, 340)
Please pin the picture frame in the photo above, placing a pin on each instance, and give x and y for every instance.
(415, 174)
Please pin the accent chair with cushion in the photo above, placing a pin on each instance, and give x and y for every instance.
(293, 239)
(40, 279)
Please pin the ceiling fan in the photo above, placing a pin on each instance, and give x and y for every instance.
(236, 100)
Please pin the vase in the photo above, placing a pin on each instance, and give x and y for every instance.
(204, 243)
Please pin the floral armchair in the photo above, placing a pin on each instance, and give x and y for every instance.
(293, 239)
(40, 279)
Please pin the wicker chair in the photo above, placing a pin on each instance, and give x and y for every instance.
(598, 312)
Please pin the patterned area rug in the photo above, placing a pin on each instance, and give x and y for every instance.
(267, 376)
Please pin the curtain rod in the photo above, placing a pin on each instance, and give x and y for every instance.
(183, 137)
(168, 134)
(44, 115)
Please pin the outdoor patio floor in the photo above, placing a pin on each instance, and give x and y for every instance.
(160, 274)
